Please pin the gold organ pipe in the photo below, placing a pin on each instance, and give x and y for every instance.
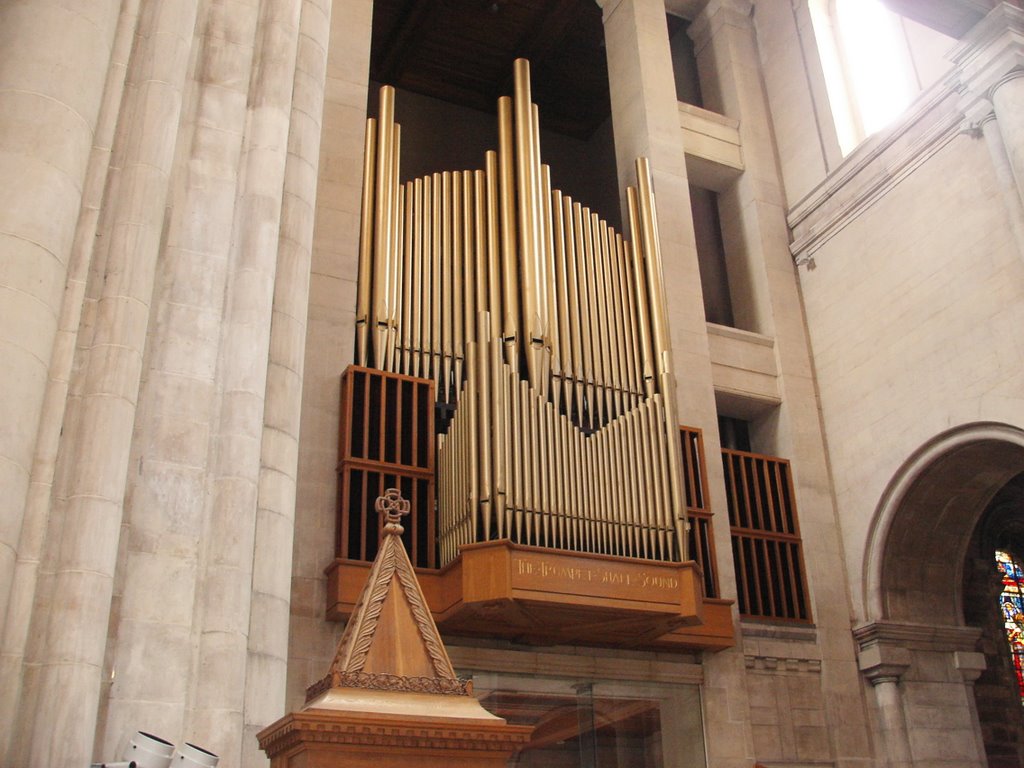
(397, 248)
(517, 451)
(499, 424)
(473, 445)
(447, 297)
(629, 311)
(458, 273)
(553, 350)
(561, 306)
(472, 263)
(611, 333)
(509, 254)
(484, 408)
(640, 283)
(413, 295)
(600, 316)
(586, 311)
(528, 447)
(426, 278)
(366, 242)
(575, 344)
(435, 283)
(494, 281)
(529, 227)
(383, 228)
(618, 303)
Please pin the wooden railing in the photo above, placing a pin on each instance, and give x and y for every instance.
(695, 482)
(767, 552)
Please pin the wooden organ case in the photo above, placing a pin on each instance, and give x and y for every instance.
(514, 378)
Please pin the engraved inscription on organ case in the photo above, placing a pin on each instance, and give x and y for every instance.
(619, 581)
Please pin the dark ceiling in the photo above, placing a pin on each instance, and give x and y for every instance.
(461, 51)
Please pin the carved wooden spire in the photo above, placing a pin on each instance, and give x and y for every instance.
(391, 642)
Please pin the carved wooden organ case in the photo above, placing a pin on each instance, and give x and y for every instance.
(544, 333)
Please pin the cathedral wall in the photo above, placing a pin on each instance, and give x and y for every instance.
(909, 308)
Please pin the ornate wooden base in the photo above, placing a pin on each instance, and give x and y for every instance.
(546, 597)
(320, 738)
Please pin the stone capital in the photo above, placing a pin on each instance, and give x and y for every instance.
(970, 665)
(883, 663)
(976, 114)
(991, 54)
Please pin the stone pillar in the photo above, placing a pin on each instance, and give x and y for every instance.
(1008, 102)
(54, 58)
(970, 665)
(766, 299)
(990, 64)
(152, 640)
(983, 121)
(883, 665)
(68, 682)
(228, 565)
(267, 668)
(15, 626)
(330, 334)
(645, 120)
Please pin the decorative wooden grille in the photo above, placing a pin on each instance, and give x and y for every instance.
(386, 441)
(701, 542)
(767, 552)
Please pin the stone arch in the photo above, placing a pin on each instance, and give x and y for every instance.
(924, 521)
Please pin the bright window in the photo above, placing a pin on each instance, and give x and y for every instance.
(1011, 603)
(867, 63)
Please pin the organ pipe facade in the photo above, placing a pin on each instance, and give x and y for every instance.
(544, 331)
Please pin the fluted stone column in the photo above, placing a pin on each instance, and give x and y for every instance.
(227, 579)
(14, 634)
(165, 503)
(267, 667)
(74, 641)
(54, 58)
(330, 335)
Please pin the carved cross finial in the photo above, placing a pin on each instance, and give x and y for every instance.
(392, 507)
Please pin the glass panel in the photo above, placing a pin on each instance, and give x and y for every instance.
(1011, 602)
(598, 725)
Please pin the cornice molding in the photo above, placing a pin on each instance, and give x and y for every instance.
(921, 637)
(872, 171)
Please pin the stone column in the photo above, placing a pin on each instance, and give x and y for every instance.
(983, 121)
(54, 58)
(990, 65)
(883, 665)
(645, 119)
(165, 503)
(74, 642)
(15, 633)
(228, 568)
(766, 299)
(1007, 96)
(330, 334)
(267, 668)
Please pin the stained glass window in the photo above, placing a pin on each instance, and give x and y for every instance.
(1011, 602)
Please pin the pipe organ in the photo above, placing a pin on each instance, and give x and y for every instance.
(544, 331)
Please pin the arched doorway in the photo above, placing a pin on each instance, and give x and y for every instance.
(933, 617)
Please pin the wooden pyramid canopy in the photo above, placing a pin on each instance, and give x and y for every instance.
(391, 692)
